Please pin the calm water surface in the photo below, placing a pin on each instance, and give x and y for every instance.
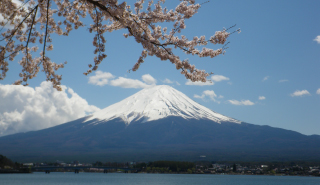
(70, 178)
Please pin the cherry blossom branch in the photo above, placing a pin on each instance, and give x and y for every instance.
(96, 3)
(14, 32)
(45, 38)
(13, 14)
(34, 16)
(143, 25)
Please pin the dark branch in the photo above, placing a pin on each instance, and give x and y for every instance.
(102, 7)
(13, 15)
(34, 16)
(14, 32)
(45, 38)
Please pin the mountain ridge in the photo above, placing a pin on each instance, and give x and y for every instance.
(156, 103)
(149, 137)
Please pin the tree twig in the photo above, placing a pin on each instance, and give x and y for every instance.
(30, 32)
(13, 15)
(45, 38)
(12, 34)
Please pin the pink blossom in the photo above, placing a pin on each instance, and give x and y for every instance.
(37, 23)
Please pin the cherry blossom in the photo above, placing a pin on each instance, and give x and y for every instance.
(33, 22)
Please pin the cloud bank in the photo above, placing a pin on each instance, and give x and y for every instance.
(189, 82)
(167, 81)
(128, 83)
(214, 78)
(25, 109)
(262, 98)
(242, 102)
(104, 78)
(300, 93)
(208, 93)
(317, 39)
(100, 78)
(148, 79)
(218, 78)
(265, 78)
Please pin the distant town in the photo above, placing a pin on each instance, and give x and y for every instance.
(199, 167)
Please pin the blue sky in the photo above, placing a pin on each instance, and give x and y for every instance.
(275, 57)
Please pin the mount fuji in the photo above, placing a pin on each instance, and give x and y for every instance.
(159, 123)
(157, 103)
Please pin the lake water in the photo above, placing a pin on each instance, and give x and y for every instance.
(70, 178)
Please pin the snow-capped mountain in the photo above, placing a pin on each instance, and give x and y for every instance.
(159, 123)
(156, 103)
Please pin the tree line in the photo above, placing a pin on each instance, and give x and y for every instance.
(166, 166)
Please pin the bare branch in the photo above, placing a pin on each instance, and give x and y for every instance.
(45, 38)
(32, 24)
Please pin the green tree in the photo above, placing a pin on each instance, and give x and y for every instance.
(4, 161)
(234, 167)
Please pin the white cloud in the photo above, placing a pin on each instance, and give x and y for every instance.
(300, 93)
(25, 109)
(129, 83)
(218, 78)
(189, 82)
(266, 78)
(242, 102)
(211, 94)
(214, 78)
(100, 78)
(149, 79)
(167, 81)
(284, 80)
(104, 78)
(317, 39)
(208, 93)
(318, 91)
(262, 98)
(200, 97)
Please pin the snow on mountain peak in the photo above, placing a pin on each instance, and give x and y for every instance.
(155, 103)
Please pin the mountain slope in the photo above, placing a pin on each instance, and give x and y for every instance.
(171, 138)
(156, 103)
(159, 124)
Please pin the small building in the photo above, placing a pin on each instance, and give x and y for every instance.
(27, 164)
